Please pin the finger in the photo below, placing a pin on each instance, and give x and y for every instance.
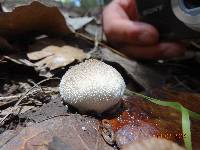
(128, 7)
(159, 51)
(119, 28)
(130, 32)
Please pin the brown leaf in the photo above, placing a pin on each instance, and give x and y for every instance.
(54, 57)
(32, 19)
(6, 136)
(136, 131)
(52, 109)
(142, 119)
(153, 144)
(189, 100)
(74, 131)
(9, 6)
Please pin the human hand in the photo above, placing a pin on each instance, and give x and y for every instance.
(135, 39)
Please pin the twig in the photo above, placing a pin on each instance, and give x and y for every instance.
(196, 44)
(33, 88)
(100, 43)
(13, 99)
(8, 98)
(35, 84)
(24, 95)
(182, 84)
(101, 8)
(2, 60)
(96, 41)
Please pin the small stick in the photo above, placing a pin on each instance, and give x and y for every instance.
(24, 95)
(100, 43)
(8, 98)
(13, 99)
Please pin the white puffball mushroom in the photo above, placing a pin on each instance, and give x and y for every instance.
(92, 86)
(153, 144)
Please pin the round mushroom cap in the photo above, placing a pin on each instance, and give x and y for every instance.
(153, 144)
(92, 86)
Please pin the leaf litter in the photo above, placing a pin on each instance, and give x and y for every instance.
(54, 57)
(68, 129)
(47, 123)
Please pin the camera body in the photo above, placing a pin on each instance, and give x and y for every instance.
(174, 19)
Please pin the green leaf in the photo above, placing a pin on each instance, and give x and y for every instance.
(186, 114)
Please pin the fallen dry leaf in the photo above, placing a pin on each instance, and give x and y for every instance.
(43, 42)
(54, 57)
(9, 6)
(33, 19)
(153, 144)
(74, 131)
(6, 136)
(47, 111)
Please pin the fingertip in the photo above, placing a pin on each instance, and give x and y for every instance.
(148, 35)
(131, 32)
(170, 50)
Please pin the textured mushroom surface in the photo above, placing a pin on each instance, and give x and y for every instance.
(153, 144)
(92, 86)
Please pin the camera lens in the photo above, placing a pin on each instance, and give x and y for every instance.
(191, 4)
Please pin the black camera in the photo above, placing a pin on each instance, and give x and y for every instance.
(174, 19)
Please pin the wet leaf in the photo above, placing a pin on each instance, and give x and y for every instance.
(142, 119)
(185, 113)
(54, 57)
(135, 131)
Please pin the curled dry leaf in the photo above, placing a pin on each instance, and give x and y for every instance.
(33, 19)
(9, 6)
(153, 144)
(54, 57)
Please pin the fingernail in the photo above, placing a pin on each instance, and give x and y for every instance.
(172, 51)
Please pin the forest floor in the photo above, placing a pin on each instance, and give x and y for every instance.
(32, 114)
